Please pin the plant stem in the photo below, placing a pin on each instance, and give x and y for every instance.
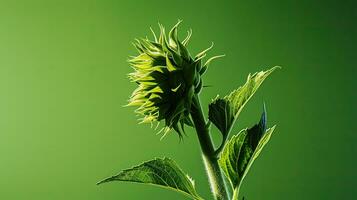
(235, 193)
(216, 181)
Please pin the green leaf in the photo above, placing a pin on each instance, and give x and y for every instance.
(223, 112)
(159, 172)
(241, 151)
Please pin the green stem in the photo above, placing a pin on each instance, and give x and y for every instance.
(215, 177)
(235, 194)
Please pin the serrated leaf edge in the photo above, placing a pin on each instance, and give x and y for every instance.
(192, 196)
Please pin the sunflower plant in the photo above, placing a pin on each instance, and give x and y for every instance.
(169, 83)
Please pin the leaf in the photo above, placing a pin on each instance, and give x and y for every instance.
(159, 172)
(241, 151)
(223, 112)
(241, 96)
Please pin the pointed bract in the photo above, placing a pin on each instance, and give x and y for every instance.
(167, 78)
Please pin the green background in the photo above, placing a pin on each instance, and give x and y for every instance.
(63, 84)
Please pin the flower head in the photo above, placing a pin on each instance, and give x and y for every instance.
(167, 77)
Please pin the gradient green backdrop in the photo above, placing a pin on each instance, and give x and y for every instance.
(63, 84)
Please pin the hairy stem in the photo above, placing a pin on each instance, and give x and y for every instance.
(236, 194)
(215, 177)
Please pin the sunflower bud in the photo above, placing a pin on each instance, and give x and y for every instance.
(167, 77)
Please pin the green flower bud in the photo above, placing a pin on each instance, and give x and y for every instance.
(167, 77)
